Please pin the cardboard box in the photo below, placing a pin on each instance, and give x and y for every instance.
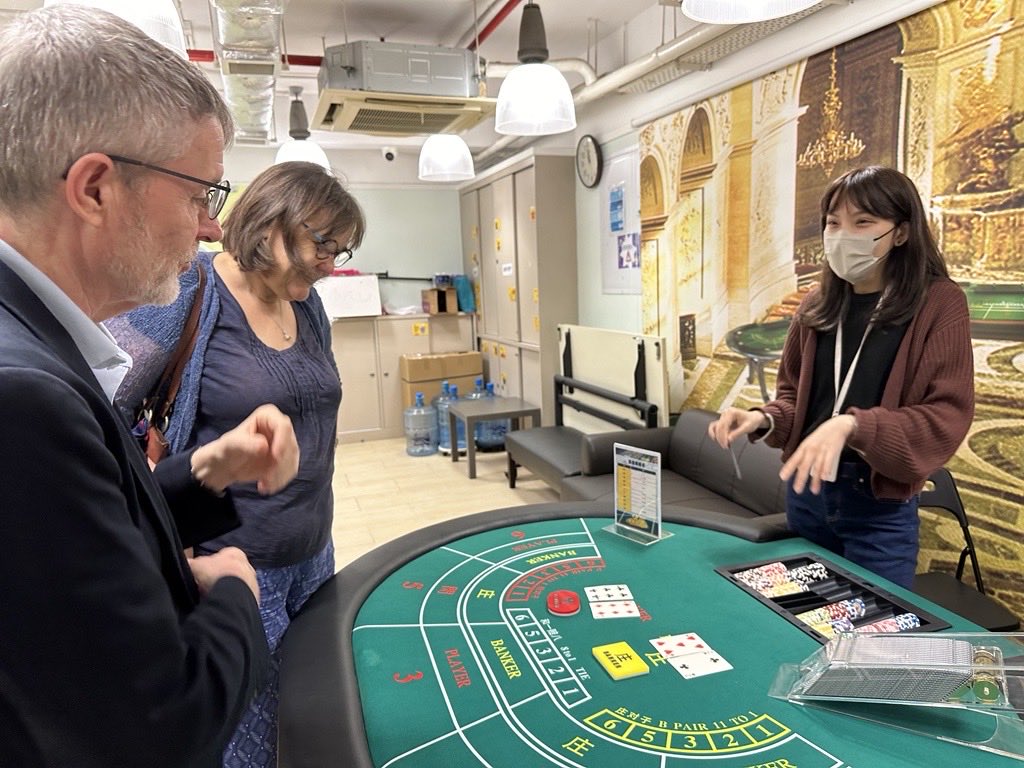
(432, 389)
(439, 301)
(446, 365)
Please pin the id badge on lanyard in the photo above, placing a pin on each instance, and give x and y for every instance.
(841, 392)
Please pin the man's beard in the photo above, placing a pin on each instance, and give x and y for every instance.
(146, 280)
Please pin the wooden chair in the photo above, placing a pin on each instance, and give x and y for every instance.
(948, 590)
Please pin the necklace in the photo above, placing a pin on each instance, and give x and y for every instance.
(287, 336)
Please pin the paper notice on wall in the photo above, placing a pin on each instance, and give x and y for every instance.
(350, 295)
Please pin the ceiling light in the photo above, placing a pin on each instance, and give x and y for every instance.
(157, 18)
(742, 11)
(534, 98)
(303, 151)
(299, 147)
(445, 157)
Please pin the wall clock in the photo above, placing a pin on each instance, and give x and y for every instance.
(589, 162)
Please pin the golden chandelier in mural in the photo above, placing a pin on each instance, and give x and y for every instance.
(833, 145)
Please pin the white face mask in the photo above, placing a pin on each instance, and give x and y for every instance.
(852, 257)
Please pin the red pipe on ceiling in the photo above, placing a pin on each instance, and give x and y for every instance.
(205, 57)
(493, 23)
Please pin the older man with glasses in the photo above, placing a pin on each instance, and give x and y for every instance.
(116, 650)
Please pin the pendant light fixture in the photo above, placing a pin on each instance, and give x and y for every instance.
(742, 11)
(157, 18)
(534, 98)
(299, 147)
(445, 157)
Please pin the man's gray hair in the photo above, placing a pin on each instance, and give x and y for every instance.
(75, 80)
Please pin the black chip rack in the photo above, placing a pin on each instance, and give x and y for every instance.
(843, 585)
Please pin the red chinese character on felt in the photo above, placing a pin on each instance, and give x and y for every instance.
(517, 534)
(448, 589)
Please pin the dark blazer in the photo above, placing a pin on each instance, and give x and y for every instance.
(107, 655)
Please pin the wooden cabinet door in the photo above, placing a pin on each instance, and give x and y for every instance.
(490, 239)
(355, 352)
(526, 256)
(469, 214)
(398, 336)
(507, 293)
(533, 382)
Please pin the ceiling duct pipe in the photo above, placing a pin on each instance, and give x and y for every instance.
(247, 41)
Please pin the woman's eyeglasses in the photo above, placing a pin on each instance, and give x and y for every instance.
(328, 249)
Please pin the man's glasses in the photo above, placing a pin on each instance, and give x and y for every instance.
(328, 249)
(216, 192)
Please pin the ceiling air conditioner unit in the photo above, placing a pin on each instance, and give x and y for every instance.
(394, 89)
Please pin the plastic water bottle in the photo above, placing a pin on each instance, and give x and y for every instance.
(420, 428)
(490, 435)
(460, 425)
(444, 442)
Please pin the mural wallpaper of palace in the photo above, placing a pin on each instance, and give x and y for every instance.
(730, 239)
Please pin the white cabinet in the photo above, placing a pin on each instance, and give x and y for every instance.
(367, 352)
(525, 227)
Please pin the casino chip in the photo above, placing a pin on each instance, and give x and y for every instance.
(564, 602)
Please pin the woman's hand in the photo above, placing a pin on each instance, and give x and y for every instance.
(817, 457)
(262, 449)
(734, 423)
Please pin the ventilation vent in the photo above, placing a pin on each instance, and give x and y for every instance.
(397, 114)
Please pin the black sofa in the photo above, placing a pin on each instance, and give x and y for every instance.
(696, 474)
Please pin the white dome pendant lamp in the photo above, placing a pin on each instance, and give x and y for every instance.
(298, 147)
(534, 98)
(445, 157)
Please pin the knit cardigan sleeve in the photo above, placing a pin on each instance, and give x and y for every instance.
(928, 402)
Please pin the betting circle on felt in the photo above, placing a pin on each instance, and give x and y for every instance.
(459, 663)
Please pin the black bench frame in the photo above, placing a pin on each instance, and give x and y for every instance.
(565, 387)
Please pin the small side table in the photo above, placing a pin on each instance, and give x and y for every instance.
(486, 409)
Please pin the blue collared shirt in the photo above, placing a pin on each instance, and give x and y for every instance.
(109, 363)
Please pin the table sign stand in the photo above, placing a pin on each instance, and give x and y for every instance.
(637, 496)
(962, 687)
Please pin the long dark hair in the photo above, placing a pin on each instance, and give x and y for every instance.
(908, 269)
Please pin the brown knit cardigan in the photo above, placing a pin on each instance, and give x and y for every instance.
(927, 404)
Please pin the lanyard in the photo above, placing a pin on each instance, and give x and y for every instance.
(838, 361)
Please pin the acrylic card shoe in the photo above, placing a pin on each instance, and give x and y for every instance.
(615, 609)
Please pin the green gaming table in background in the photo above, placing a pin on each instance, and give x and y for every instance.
(437, 650)
(997, 310)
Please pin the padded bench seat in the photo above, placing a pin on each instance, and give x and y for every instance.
(551, 453)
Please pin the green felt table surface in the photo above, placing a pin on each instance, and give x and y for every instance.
(459, 663)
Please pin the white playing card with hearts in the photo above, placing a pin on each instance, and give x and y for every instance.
(615, 609)
(671, 646)
(603, 592)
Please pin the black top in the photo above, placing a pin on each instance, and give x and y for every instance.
(872, 369)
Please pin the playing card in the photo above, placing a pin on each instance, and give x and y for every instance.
(698, 664)
(671, 646)
(608, 592)
(614, 609)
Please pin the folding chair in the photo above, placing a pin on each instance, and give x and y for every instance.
(950, 591)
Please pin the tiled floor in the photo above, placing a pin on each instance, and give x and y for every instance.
(381, 493)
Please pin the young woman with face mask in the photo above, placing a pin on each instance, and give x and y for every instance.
(876, 381)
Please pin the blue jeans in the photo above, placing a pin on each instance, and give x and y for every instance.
(283, 591)
(847, 519)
